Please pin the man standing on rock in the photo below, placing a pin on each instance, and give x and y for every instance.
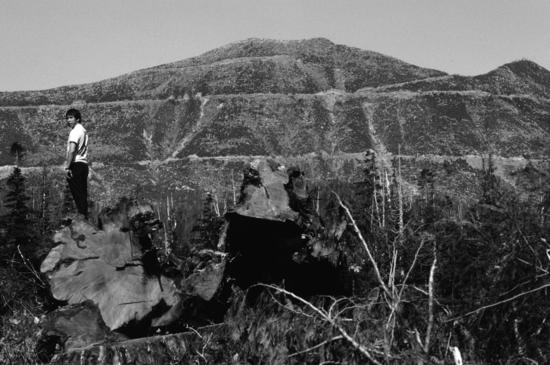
(76, 164)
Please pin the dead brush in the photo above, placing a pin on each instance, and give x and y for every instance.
(20, 313)
(396, 308)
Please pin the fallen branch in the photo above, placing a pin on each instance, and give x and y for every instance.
(323, 314)
(371, 258)
(404, 283)
(335, 338)
(500, 302)
(302, 313)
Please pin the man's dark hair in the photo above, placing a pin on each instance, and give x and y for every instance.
(73, 113)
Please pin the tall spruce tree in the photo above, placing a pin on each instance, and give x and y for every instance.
(18, 152)
(18, 220)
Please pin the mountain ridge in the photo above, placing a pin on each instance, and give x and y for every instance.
(304, 53)
(324, 57)
(266, 48)
(517, 77)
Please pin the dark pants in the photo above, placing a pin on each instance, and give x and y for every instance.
(79, 186)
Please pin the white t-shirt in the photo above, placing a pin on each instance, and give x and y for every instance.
(79, 136)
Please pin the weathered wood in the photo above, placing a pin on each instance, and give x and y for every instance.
(167, 349)
(204, 282)
(263, 193)
(82, 325)
(274, 234)
(73, 326)
(105, 266)
(206, 279)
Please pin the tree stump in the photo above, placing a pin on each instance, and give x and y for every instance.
(72, 327)
(105, 266)
(112, 278)
(274, 236)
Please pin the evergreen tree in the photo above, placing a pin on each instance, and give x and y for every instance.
(18, 152)
(19, 225)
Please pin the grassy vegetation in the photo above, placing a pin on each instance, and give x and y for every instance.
(432, 276)
(21, 306)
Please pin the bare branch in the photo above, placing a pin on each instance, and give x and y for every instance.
(29, 266)
(536, 267)
(400, 195)
(500, 302)
(289, 308)
(394, 304)
(371, 258)
(335, 338)
(435, 299)
(411, 268)
(334, 304)
(430, 304)
(327, 318)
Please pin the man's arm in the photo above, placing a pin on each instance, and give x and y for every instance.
(71, 153)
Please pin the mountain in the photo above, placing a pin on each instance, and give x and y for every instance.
(523, 77)
(297, 100)
(247, 67)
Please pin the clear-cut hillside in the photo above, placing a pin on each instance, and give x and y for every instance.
(291, 99)
(438, 123)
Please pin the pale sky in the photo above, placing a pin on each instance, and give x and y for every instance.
(50, 43)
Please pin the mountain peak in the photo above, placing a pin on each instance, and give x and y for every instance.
(258, 47)
(522, 75)
(524, 68)
(306, 41)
